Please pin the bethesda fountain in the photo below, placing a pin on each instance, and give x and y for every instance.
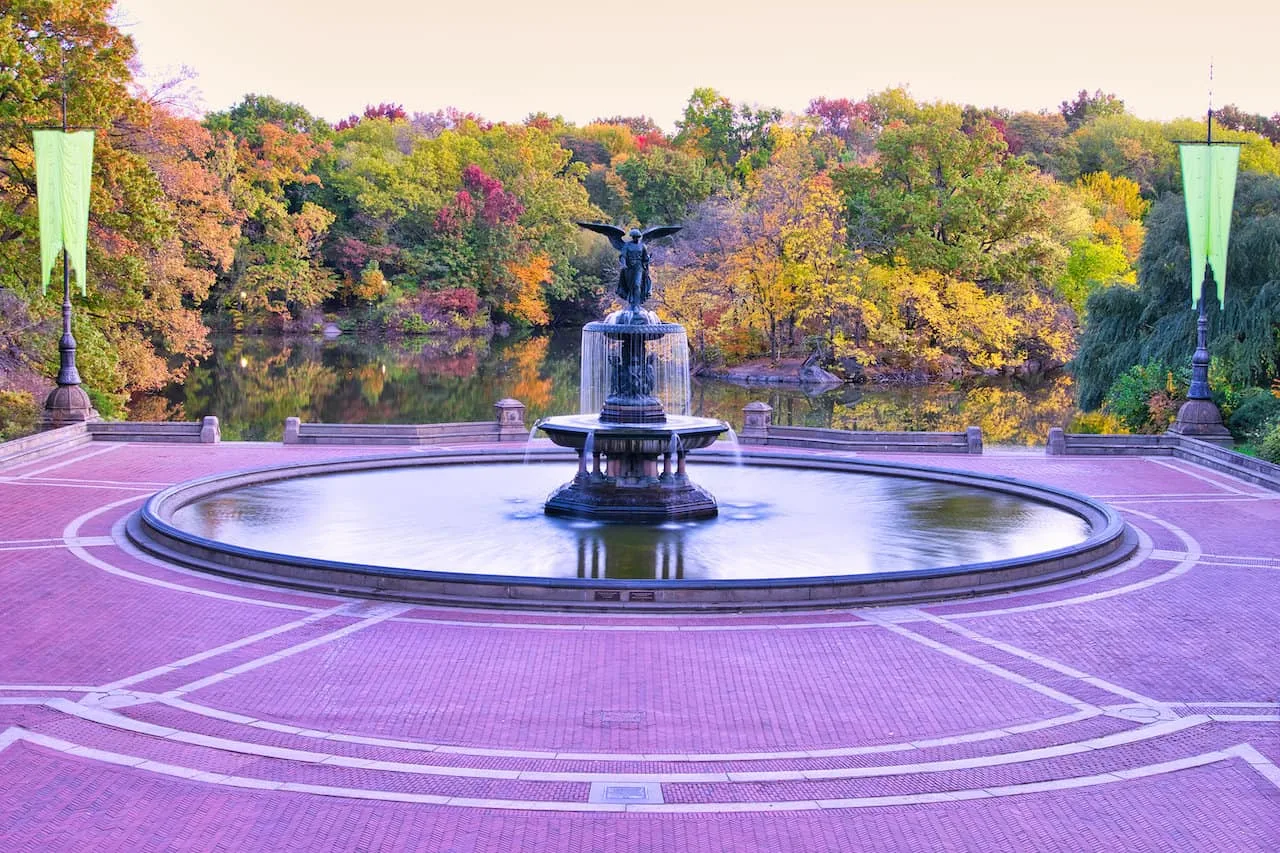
(451, 526)
(631, 454)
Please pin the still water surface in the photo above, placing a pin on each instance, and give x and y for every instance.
(253, 383)
(773, 523)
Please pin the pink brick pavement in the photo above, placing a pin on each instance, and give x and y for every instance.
(1132, 710)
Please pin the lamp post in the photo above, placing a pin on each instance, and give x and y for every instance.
(1209, 179)
(67, 403)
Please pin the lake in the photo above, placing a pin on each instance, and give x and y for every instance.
(252, 383)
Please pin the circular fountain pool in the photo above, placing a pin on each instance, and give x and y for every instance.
(464, 526)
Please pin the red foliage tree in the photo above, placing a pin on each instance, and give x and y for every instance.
(389, 111)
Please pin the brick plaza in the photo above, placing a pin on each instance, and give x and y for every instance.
(148, 707)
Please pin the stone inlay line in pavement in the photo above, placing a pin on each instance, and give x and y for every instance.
(112, 719)
(84, 481)
(999, 671)
(1221, 499)
(222, 649)
(1241, 560)
(69, 535)
(1182, 468)
(1192, 557)
(1243, 751)
(787, 755)
(1041, 660)
(856, 622)
(387, 611)
(26, 475)
(81, 542)
(1131, 496)
(63, 484)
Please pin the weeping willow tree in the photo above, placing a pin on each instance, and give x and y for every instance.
(1154, 323)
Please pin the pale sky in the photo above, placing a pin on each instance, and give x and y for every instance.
(504, 60)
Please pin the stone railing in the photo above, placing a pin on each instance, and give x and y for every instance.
(759, 429)
(204, 431)
(507, 425)
(29, 448)
(1209, 455)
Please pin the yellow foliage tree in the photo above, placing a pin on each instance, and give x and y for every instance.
(530, 303)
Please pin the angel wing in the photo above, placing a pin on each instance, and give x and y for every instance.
(613, 232)
(659, 232)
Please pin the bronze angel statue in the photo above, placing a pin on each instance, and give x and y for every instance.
(634, 284)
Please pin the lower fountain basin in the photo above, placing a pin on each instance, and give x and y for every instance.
(464, 527)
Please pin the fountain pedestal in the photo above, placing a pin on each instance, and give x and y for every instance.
(632, 472)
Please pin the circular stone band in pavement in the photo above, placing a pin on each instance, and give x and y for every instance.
(1108, 542)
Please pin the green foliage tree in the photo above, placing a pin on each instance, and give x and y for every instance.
(664, 184)
(951, 200)
(1156, 322)
(738, 138)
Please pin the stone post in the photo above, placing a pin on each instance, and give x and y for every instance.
(292, 428)
(973, 439)
(757, 418)
(1057, 442)
(210, 432)
(510, 417)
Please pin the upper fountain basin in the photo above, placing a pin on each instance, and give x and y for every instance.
(572, 431)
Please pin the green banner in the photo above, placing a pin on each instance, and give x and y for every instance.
(64, 169)
(1209, 188)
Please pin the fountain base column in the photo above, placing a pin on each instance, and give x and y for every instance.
(604, 498)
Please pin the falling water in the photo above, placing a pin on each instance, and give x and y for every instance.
(528, 445)
(735, 449)
(670, 347)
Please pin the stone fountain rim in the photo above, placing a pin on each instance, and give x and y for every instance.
(1109, 542)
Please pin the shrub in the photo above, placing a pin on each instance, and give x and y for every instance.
(1097, 423)
(1146, 397)
(1269, 447)
(19, 414)
(412, 324)
(1256, 410)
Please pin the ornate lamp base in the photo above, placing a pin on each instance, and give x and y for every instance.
(1201, 419)
(67, 405)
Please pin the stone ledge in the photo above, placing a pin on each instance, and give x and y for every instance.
(969, 441)
(32, 447)
(205, 431)
(1203, 453)
(297, 432)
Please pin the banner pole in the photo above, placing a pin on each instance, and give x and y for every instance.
(1199, 389)
(67, 373)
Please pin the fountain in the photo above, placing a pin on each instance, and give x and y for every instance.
(642, 365)
(455, 526)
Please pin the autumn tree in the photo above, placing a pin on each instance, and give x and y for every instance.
(1234, 118)
(278, 268)
(736, 137)
(852, 122)
(940, 197)
(160, 221)
(1088, 107)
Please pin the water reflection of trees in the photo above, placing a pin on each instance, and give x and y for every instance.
(1008, 412)
(253, 383)
(629, 552)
